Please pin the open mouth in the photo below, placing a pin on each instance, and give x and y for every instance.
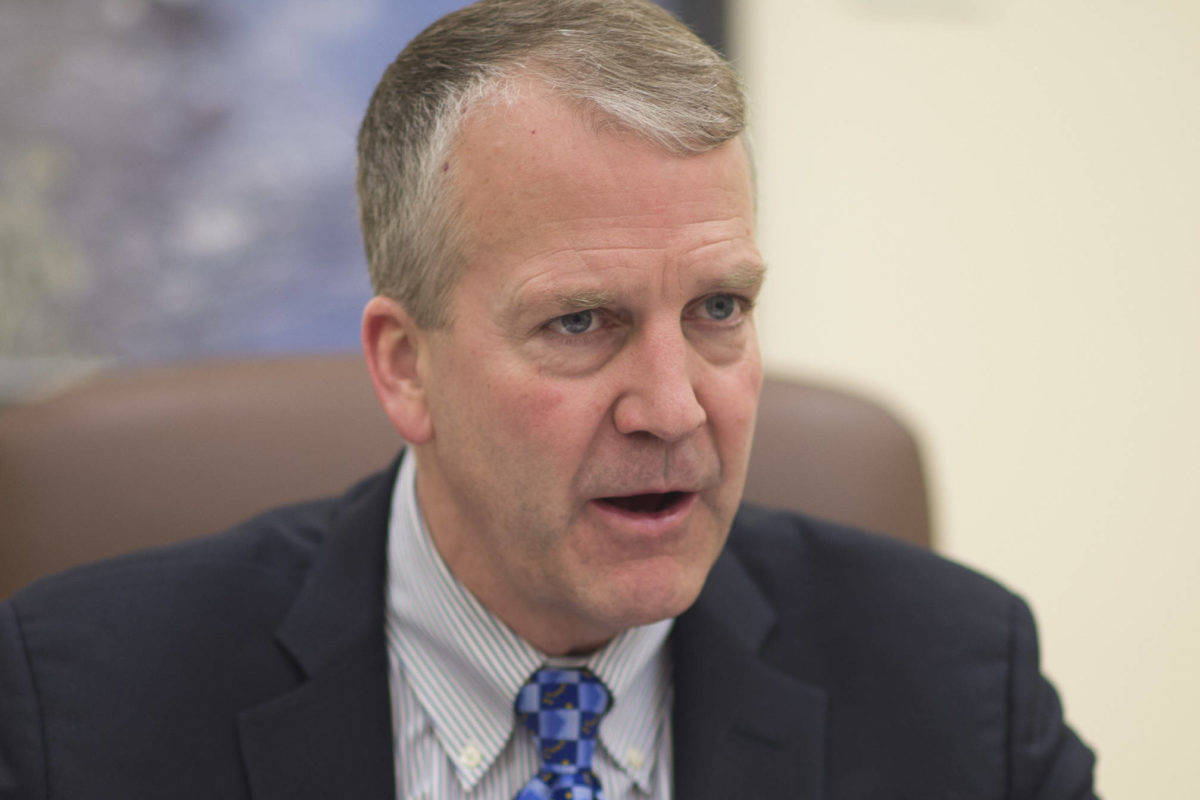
(654, 503)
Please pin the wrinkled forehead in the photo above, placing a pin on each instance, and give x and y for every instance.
(531, 156)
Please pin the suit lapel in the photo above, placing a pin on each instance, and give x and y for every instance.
(332, 736)
(740, 727)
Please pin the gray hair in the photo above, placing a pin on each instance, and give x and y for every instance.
(628, 60)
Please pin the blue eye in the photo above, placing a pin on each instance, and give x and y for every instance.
(720, 306)
(574, 323)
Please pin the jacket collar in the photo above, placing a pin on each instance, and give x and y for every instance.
(741, 728)
(332, 736)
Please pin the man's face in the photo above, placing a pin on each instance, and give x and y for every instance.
(593, 398)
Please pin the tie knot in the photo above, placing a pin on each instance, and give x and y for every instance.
(563, 707)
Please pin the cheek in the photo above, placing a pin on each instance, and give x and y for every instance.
(751, 388)
(733, 393)
(540, 404)
(556, 414)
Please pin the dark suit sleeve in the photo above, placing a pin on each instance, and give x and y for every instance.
(1048, 761)
(22, 764)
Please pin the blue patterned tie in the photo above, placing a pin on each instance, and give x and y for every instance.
(563, 707)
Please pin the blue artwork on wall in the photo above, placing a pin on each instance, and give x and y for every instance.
(177, 176)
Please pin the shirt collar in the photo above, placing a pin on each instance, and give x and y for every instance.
(465, 666)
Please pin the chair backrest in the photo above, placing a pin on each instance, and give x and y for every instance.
(137, 458)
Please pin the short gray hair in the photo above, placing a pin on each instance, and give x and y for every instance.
(629, 60)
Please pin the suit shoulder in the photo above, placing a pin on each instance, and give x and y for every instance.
(249, 573)
(901, 639)
(847, 566)
(187, 627)
(279, 542)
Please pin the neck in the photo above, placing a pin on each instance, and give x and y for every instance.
(466, 554)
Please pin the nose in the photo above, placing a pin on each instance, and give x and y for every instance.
(659, 394)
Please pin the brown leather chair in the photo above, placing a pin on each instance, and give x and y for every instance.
(143, 457)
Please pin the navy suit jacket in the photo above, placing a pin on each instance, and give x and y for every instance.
(819, 662)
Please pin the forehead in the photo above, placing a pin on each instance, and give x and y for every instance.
(531, 160)
(539, 180)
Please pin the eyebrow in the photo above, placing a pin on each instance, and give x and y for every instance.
(583, 299)
(746, 276)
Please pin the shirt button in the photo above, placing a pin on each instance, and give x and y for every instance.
(469, 757)
(635, 758)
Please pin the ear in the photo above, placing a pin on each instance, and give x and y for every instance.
(394, 347)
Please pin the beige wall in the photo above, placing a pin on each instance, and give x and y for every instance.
(987, 212)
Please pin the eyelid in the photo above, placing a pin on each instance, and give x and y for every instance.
(600, 320)
(607, 317)
(745, 304)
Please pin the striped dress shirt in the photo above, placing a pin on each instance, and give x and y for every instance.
(455, 670)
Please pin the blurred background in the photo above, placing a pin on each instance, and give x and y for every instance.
(985, 213)
(177, 177)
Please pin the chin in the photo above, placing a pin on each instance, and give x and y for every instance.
(655, 594)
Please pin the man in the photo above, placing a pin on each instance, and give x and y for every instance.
(544, 596)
